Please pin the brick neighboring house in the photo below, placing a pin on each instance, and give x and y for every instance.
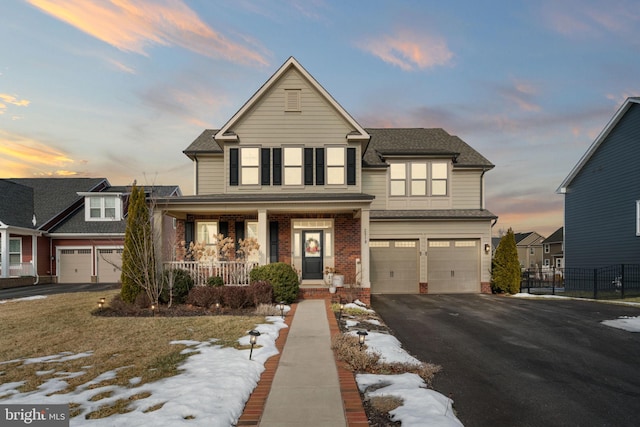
(395, 210)
(553, 249)
(65, 230)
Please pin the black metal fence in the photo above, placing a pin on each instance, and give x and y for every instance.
(615, 281)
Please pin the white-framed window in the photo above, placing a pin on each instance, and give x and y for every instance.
(419, 179)
(207, 232)
(15, 251)
(250, 166)
(103, 208)
(532, 251)
(252, 232)
(336, 165)
(546, 262)
(292, 165)
(547, 248)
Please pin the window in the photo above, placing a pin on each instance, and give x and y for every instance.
(335, 166)
(637, 217)
(546, 262)
(532, 251)
(398, 174)
(547, 248)
(419, 179)
(103, 208)
(250, 166)
(207, 232)
(15, 251)
(292, 166)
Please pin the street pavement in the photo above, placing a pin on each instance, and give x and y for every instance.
(54, 288)
(520, 362)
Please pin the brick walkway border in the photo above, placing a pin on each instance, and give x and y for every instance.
(354, 411)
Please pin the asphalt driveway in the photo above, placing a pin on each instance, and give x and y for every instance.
(54, 288)
(522, 362)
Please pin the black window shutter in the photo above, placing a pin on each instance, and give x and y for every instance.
(308, 166)
(319, 166)
(189, 233)
(351, 166)
(239, 233)
(223, 228)
(265, 166)
(277, 166)
(273, 241)
(233, 166)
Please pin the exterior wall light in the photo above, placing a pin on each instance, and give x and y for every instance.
(361, 338)
(487, 248)
(253, 340)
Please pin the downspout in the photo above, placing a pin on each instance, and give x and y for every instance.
(195, 178)
(34, 257)
(482, 189)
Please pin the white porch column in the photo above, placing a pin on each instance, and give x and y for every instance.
(365, 233)
(4, 250)
(263, 227)
(34, 254)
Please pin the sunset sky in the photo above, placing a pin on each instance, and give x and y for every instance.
(119, 88)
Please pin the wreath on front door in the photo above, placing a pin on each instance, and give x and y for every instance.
(312, 246)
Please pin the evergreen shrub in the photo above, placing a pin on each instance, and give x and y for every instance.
(282, 277)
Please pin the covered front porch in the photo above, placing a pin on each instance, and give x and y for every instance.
(18, 255)
(315, 235)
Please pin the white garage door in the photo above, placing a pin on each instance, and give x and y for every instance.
(453, 266)
(108, 263)
(394, 266)
(75, 266)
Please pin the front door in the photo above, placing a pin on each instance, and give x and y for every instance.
(312, 256)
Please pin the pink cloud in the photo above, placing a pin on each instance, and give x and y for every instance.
(135, 25)
(409, 50)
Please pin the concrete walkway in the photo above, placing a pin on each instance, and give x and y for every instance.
(306, 388)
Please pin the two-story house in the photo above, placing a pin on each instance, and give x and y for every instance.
(529, 246)
(65, 230)
(602, 196)
(553, 249)
(394, 210)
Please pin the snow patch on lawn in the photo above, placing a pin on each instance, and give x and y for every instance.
(33, 298)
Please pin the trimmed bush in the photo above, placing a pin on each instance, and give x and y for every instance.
(236, 297)
(260, 292)
(282, 277)
(505, 273)
(182, 284)
(205, 296)
(215, 281)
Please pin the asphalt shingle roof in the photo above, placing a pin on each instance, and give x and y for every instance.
(204, 143)
(16, 204)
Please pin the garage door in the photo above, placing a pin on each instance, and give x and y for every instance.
(109, 262)
(453, 266)
(75, 266)
(394, 266)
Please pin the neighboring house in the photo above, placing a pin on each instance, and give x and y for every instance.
(394, 210)
(66, 230)
(553, 249)
(529, 246)
(602, 196)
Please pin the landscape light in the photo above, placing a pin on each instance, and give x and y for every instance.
(281, 308)
(100, 304)
(340, 314)
(102, 300)
(253, 340)
(361, 338)
(153, 309)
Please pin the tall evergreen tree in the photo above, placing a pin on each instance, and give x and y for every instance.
(506, 267)
(138, 256)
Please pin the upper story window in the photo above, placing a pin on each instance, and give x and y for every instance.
(532, 251)
(336, 165)
(249, 166)
(418, 179)
(292, 166)
(547, 248)
(103, 208)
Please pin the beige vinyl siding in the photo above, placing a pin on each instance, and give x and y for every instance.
(374, 182)
(317, 124)
(424, 230)
(211, 175)
(465, 189)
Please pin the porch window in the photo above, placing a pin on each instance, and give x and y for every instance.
(207, 232)
(250, 166)
(293, 166)
(15, 251)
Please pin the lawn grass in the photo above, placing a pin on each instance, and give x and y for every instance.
(131, 347)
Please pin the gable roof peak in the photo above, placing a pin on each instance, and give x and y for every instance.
(225, 133)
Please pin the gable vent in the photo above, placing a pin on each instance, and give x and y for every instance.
(292, 100)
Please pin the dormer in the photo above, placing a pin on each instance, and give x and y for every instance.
(102, 206)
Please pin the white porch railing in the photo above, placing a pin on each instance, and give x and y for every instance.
(233, 273)
(19, 270)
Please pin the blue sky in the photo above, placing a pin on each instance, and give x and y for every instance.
(119, 88)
